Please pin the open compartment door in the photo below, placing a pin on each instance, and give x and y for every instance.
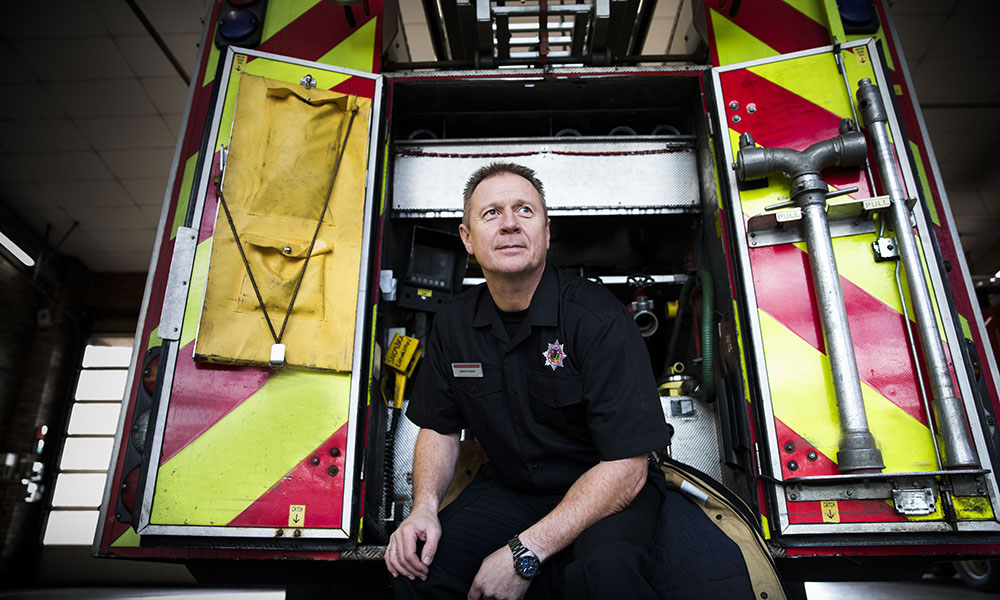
(794, 101)
(250, 436)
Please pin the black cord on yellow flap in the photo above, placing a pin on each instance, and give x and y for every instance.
(246, 264)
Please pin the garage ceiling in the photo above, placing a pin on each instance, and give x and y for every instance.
(90, 111)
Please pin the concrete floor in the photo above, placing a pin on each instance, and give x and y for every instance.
(928, 589)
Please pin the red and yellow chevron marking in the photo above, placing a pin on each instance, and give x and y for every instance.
(797, 103)
(210, 405)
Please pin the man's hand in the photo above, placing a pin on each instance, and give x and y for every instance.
(497, 579)
(401, 555)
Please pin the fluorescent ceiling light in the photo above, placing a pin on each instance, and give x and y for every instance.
(14, 249)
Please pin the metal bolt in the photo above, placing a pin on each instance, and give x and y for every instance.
(811, 455)
(297, 533)
(314, 461)
(793, 466)
(737, 118)
(287, 249)
(789, 447)
(335, 452)
(279, 533)
(333, 470)
(793, 496)
(850, 492)
(734, 105)
(751, 108)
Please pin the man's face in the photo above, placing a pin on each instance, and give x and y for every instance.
(508, 232)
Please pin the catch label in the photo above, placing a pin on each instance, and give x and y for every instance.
(831, 511)
(297, 515)
(861, 53)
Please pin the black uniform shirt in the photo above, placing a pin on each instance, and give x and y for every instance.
(572, 387)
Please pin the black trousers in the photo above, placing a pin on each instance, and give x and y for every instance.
(608, 560)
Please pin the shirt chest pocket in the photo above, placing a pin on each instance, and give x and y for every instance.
(557, 402)
(481, 402)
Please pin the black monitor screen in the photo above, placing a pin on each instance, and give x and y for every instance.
(432, 266)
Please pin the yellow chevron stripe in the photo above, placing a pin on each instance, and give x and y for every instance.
(196, 292)
(184, 194)
(129, 539)
(810, 77)
(218, 475)
(924, 182)
(357, 51)
(803, 398)
(735, 45)
(973, 508)
(281, 14)
(814, 9)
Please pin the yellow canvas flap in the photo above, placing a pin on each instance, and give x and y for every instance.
(282, 155)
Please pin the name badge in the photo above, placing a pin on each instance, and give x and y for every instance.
(467, 369)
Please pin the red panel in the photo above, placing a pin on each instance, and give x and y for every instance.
(320, 29)
(851, 511)
(307, 484)
(822, 465)
(786, 120)
(773, 22)
(785, 291)
(202, 394)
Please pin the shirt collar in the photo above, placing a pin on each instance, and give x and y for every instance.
(543, 310)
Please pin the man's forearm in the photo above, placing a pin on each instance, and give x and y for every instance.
(606, 488)
(434, 460)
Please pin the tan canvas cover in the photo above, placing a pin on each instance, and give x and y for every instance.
(283, 150)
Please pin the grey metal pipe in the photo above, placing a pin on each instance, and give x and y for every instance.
(951, 419)
(858, 451)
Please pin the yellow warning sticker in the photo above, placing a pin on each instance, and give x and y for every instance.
(898, 89)
(297, 515)
(861, 55)
(424, 292)
(831, 512)
(239, 62)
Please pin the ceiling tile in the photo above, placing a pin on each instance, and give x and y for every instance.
(104, 218)
(37, 135)
(976, 6)
(146, 191)
(65, 166)
(177, 16)
(943, 80)
(102, 98)
(14, 69)
(185, 49)
(140, 162)
(979, 140)
(152, 213)
(133, 262)
(923, 6)
(73, 59)
(145, 57)
(126, 132)
(84, 194)
(14, 168)
(27, 101)
(50, 19)
(168, 93)
(117, 17)
(966, 202)
(80, 244)
(916, 33)
(173, 121)
(946, 128)
(964, 36)
(127, 240)
(977, 223)
(26, 196)
(39, 218)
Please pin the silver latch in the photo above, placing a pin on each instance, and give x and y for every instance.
(885, 249)
(308, 82)
(914, 501)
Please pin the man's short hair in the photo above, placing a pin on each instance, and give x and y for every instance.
(499, 168)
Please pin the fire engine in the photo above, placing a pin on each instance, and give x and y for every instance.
(768, 207)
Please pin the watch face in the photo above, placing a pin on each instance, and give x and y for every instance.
(526, 566)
